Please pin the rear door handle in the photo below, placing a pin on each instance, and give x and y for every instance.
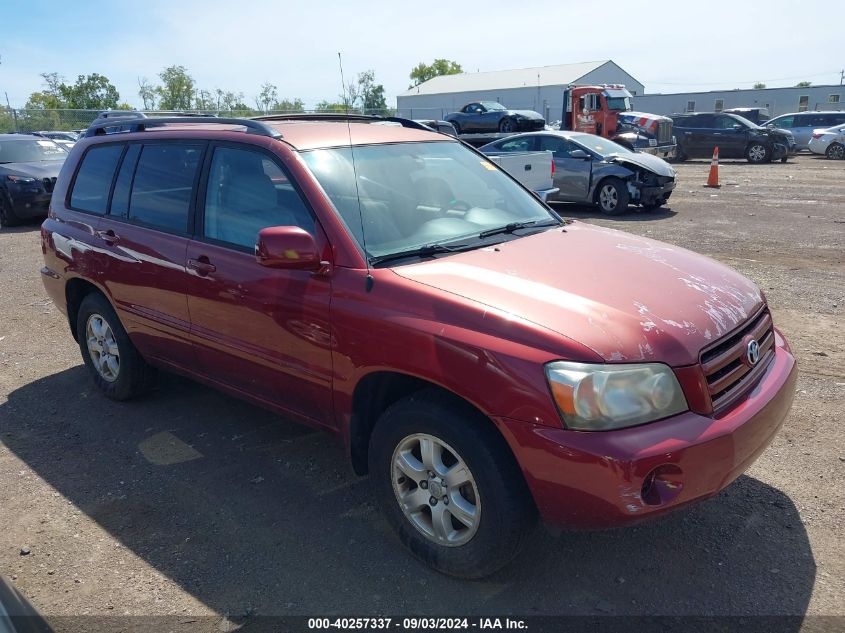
(109, 237)
(201, 265)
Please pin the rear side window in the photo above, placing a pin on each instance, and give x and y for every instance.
(163, 186)
(785, 121)
(93, 180)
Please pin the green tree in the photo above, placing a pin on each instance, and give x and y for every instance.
(176, 91)
(266, 97)
(231, 101)
(759, 85)
(148, 93)
(423, 72)
(289, 105)
(803, 84)
(91, 92)
(330, 106)
(367, 94)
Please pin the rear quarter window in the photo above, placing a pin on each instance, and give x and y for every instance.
(163, 185)
(93, 180)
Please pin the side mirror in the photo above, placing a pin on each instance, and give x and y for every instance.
(287, 247)
(579, 153)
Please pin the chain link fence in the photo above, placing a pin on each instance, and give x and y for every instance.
(28, 120)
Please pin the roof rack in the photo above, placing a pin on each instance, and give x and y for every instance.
(99, 128)
(342, 116)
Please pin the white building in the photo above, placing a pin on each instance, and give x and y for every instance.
(777, 100)
(539, 89)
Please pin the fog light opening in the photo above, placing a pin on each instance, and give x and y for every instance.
(662, 485)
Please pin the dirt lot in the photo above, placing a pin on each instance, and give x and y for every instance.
(191, 503)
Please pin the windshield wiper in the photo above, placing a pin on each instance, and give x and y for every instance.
(515, 226)
(422, 251)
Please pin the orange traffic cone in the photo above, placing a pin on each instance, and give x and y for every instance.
(713, 178)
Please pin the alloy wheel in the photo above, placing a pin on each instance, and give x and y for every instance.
(102, 347)
(608, 197)
(756, 153)
(836, 152)
(436, 490)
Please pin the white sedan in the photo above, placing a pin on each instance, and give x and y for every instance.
(830, 142)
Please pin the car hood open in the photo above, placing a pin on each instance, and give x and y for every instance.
(646, 161)
(628, 298)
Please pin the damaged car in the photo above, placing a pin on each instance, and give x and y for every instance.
(593, 170)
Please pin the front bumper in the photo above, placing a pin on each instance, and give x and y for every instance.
(657, 194)
(610, 478)
(28, 204)
(663, 151)
(530, 125)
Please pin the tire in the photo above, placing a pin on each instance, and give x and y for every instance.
(835, 151)
(508, 126)
(783, 160)
(495, 490)
(612, 196)
(7, 216)
(123, 374)
(757, 153)
(680, 156)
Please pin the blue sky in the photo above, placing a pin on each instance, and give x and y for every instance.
(670, 46)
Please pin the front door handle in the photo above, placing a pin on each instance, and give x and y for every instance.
(109, 237)
(201, 265)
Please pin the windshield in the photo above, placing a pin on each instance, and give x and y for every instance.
(29, 151)
(599, 145)
(493, 105)
(416, 194)
(619, 103)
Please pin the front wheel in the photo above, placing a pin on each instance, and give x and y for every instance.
(612, 196)
(835, 151)
(757, 153)
(507, 126)
(449, 485)
(117, 368)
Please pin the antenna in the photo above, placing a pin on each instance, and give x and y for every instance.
(369, 282)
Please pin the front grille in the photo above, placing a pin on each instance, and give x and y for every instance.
(664, 132)
(728, 376)
(49, 183)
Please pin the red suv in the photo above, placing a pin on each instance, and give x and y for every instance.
(483, 360)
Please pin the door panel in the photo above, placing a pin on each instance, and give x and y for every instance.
(572, 175)
(263, 331)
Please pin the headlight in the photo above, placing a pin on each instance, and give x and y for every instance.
(20, 180)
(604, 397)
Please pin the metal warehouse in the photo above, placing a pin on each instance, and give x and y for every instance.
(777, 100)
(539, 89)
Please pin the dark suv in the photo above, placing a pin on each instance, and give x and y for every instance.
(29, 166)
(390, 285)
(699, 133)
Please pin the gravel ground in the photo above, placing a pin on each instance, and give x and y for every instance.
(193, 504)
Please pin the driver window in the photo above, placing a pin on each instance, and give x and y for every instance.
(520, 144)
(726, 123)
(247, 191)
(560, 147)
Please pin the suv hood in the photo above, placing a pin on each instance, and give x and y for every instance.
(38, 169)
(646, 161)
(628, 298)
(641, 119)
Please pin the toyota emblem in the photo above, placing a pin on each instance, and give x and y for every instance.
(752, 352)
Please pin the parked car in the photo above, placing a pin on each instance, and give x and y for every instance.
(28, 169)
(829, 142)
(802, 124)
(484, 360)
(64, 139)
(592, 169)
(698, 133)
(490, 116)
(758, 116)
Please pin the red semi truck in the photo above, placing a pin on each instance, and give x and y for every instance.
(607, 111)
